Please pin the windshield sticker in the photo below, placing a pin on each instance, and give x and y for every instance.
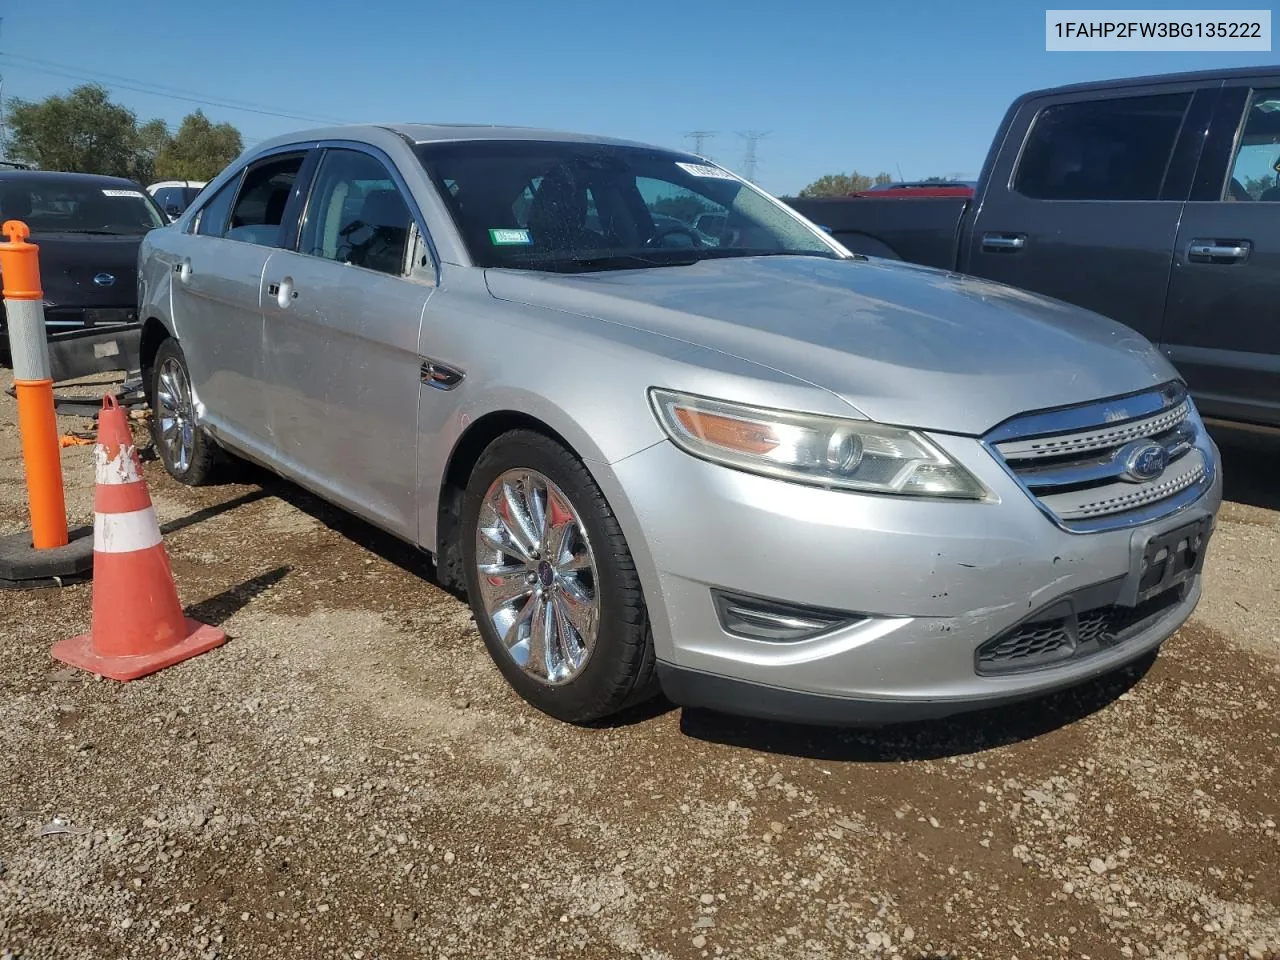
(121, 193)
(705, 170)
(508, 237)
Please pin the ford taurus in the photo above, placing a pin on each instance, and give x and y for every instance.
(718, 456)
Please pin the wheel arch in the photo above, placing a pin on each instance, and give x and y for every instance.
(154, 333)
(466, 452)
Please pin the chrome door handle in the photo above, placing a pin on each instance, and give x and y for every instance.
(1219, 251)
(283, 292)
(1000, 242)
(183, 269)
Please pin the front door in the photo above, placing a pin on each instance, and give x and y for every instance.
(217, 290)
(1088, 209)
(343, 314)
(1223, 326)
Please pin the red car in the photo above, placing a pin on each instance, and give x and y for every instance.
(923, 188)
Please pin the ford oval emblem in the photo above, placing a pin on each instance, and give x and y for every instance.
(1144, 460)
(104, 279)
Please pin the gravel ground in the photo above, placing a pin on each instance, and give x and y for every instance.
(349, 777)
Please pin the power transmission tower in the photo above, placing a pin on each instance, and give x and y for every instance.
(749, 155)
(699, 137)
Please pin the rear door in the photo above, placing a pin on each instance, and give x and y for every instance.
(1083, 202)
(1222, 330)
(217, 294)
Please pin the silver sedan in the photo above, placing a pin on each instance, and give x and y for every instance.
(667, 434)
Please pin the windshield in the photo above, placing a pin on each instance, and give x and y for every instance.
(69, 207)
(565, 206)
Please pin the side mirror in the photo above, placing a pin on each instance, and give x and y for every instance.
(173, 212)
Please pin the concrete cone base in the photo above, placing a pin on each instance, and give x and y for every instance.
(78, 652)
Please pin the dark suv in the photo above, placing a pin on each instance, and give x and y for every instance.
(88, 229)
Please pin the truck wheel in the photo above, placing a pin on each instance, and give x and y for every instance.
(552, 583)
(188, 453)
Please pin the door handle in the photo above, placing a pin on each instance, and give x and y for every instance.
(1219, 251)
(1003, 242)
(183, 269)
(283, 292)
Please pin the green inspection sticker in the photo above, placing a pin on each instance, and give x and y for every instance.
(508, 237)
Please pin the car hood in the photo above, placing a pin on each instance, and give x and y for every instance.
(903, 344)
(69, 262)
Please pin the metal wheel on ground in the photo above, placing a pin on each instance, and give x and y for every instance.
(552, 583)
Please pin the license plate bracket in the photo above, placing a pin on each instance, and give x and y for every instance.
(1166, 560)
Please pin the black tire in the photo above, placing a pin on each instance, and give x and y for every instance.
(620, 671)
(206, 459)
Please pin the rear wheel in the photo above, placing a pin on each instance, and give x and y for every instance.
(188, 453)
(552, 583)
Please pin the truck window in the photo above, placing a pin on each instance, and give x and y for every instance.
(1114, 149)
(1255, 172)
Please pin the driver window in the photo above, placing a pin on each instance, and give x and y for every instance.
(357, 214)
(1255, 172)
(260, 205)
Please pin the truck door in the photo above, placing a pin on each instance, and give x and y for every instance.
(1082, 202)
(1222, 328)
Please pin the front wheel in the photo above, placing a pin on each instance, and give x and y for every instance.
(188, 453)
(552, 583)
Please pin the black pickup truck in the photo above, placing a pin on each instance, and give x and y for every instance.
(1154, 201)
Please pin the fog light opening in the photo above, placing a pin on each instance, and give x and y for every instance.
(756, 618)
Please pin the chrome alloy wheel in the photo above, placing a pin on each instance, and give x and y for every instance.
(176, 413)
(537, 576)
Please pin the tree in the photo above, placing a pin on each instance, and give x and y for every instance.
(1256, 185)
(152, 137)
(199, 150)
(685, 207)
(843, 184)
(82, 132)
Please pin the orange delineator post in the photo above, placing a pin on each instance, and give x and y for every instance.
(33, 384)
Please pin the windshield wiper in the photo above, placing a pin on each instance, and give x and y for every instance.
(724, 253)
(619, 261)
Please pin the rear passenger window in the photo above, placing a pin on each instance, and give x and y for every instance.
(1255, 173)
(211, 221)
(1101, 149)
(260, 206)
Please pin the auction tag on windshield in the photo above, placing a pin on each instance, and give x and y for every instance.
(508, 237)
(705, 170)
(121, 193)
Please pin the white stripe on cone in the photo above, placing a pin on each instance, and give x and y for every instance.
(125, 532)
(122, 469)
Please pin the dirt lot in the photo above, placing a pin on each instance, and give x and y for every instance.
(349, 777)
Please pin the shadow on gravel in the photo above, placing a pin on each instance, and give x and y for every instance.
(221, 607)
(1250, 458)
(927, 740)
(208, 513)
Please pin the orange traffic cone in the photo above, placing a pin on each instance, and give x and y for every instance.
(138, 624)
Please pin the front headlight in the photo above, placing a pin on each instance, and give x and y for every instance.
(814, 449)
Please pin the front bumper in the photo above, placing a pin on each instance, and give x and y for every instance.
(935, 581)
(77, 318)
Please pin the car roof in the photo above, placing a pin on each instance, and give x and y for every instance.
(418, 133)
(1194, 76)
(35, 177)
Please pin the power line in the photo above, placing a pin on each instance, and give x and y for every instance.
(749, 155)
(699, 137)
(159, 90)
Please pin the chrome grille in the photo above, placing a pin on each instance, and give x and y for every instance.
(1112, 463)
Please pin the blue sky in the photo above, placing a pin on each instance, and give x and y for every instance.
(916, 87)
